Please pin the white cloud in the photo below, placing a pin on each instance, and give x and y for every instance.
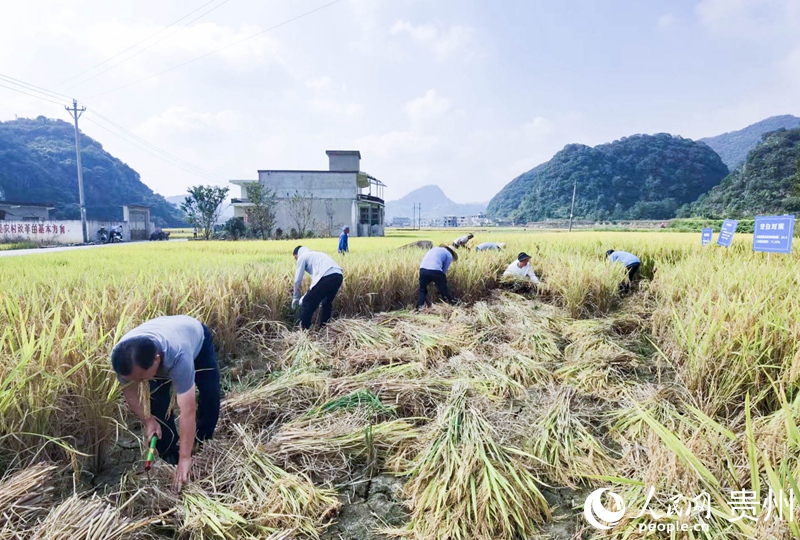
(397, 143)
(456, 40)
(753, 19)
(427, 107)
(184, 120)
(337, 107)
(537, 129)
(666, 21)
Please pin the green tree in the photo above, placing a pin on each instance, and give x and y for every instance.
(203, 206)
(235, 227)
(261, 212)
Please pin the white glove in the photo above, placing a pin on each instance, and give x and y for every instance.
(295, 303)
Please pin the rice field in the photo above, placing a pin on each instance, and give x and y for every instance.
(491, 419)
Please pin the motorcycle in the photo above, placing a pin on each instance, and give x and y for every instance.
(104, 236)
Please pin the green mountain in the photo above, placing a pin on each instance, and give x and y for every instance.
(733, 147)
(767, 183)
(37, 164)
(637, 177)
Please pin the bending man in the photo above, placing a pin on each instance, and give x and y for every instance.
(171, 351)
(434, 268)
(521, 269)
(489, 246)
(326, 278)
(631, 263)
(462, 241)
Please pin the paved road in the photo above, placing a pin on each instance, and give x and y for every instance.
(18, 252)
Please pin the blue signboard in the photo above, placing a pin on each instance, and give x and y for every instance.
(726, 234)
(705, 238)
(773, 234)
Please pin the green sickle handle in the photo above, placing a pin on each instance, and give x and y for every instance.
(148, 462)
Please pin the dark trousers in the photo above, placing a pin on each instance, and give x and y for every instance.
(206, 380)
(436, 276)
(322, 293)
(625, 286)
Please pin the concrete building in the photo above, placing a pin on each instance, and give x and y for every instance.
(342, 195)
(401, 222)
(450, 221)
(24, 211)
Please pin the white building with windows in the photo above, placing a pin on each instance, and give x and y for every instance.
(342, 195)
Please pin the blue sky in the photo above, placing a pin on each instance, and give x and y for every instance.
(466, 94)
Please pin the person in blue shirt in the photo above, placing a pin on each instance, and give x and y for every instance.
(433, 268)
(631, 263)
(343, 240)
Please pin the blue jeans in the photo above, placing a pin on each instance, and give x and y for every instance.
(206, 380)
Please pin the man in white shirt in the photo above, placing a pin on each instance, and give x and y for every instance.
(326, 278)
(521, 269)
(462, 241)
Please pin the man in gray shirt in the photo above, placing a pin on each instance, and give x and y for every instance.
(171, 351)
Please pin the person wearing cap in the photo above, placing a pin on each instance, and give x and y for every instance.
(488, 246)
(326, 279)
(433, 268)
(521, 269)
(343, 240)
(175, 351)
(462, 241)
(631, 263)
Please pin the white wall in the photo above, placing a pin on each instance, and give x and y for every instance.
(56, 232)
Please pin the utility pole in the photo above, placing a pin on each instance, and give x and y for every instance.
(419, 217)
(572, 208)
(75, 112)
(413, 215)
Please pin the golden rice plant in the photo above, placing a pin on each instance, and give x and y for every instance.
(563, 437)
(465, 485)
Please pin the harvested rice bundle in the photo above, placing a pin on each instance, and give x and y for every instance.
(92, 518)
(411, 389)
(431, 340)
(597, 365)
(464, 485)
(240, 473)
(333, 446)
(359, 344)
(521, 366)
(283, 398)
(362, 401)
(302, 351)
(482, 376)
(24, 495)
(563, 438)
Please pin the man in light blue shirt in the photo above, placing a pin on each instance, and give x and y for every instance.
(433, 268)
(630, 261)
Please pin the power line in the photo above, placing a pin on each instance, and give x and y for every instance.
(31, 95)
(184, 164)
(217, 50)
(162, 158)
(33, 87)
(140, 51)
(126, 135)
(135, 44)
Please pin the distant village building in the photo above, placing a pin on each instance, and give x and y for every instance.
(24, 211)
(401, 222)
(450, 221)
(342, 195)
